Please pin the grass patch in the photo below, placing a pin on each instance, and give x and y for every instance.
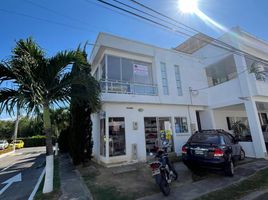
(256, 182)
(6, 150)
(100, 192)
(56, 181)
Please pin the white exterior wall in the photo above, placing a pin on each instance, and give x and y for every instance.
(189, 67)
(138, 136)
(192, 72)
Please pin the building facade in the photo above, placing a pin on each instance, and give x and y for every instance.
(149, 93)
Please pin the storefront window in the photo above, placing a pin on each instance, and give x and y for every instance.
(181, 125)
(102, 138)
(117, 142)
(239, 125)
(157, 132)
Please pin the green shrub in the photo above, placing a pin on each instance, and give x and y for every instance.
(35, 141)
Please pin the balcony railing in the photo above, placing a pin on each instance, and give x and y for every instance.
(112, 86)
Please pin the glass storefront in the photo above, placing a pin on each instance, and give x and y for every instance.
(158, 130)
(117, 141)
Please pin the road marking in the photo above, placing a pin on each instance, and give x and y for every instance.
(7, 167)
(8, 172)
(37, 185)
(8, 182)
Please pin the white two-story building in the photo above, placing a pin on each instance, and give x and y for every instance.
(148, 91)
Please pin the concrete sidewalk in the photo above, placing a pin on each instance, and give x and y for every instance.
(193, 190)
(72, 184)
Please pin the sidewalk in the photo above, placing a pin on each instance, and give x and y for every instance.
(193, 190)
(72, 184)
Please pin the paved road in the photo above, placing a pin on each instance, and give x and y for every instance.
(30, 163)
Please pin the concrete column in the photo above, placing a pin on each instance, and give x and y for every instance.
(107, 138)
(255, 129)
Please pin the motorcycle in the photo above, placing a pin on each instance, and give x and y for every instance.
(163, 172)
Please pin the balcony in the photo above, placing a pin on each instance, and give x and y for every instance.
(120, 87)
(258, 87)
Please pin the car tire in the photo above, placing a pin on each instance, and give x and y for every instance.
(229, 168)
(242, 155)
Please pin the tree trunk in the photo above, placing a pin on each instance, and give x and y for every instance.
(48, 185)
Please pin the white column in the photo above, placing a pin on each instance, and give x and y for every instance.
(107, 137)
(255, 129)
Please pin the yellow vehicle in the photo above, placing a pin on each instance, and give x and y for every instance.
(18, 144)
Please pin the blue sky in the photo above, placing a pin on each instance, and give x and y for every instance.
(63, 24)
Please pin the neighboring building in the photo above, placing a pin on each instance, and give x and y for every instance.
(147, 90)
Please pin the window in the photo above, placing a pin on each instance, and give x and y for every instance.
(261, 70)
(102, 138)
(96, 74)
(178, 79)
(228, 140)
(164, 78)
(244, 134)
(181, 125)
(127, 76)
(103, 69)
(205, 138)
(117, 142)
(114, 68)
(221, 71)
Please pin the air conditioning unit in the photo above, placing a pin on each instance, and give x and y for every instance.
(134, 152)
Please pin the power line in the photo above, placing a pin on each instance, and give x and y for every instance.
(168, 22)
(45, 20)
(154, 22)
(191, 28)
(167, 27)
(84, 22)
(214, 43)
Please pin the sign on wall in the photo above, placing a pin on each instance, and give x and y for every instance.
(140, 70)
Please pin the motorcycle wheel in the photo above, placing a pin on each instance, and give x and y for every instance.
(164, 187)
(174, 175)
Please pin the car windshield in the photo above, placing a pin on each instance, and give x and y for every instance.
(1, 142)
(205, 138)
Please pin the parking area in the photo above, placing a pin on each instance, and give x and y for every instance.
(135, 181)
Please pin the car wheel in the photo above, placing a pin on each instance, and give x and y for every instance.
(229, 169)
(242, 155)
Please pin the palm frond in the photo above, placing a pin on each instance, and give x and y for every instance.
(6, 72)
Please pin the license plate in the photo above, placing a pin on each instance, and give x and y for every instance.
(155, 172)
(199, 152)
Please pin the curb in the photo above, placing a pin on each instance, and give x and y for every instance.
(85, 188)
(6, 154)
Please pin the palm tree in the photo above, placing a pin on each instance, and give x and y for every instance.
(39, 82)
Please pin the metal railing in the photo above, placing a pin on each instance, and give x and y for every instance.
(112, 86)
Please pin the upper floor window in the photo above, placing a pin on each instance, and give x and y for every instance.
(123, 75)
(259, 69)
(221, 71)
(178, 79)
(164, 78)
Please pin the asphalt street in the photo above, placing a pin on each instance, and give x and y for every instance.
(19, 173)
